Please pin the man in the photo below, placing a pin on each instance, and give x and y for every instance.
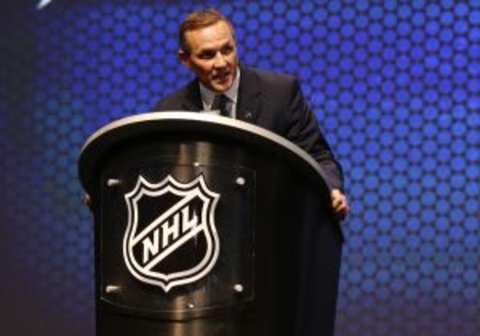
(273, 101)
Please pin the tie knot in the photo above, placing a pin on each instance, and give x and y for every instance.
(220, 102)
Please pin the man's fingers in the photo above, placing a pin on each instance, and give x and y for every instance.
(336, 202)
(339, 202)
(340, 207)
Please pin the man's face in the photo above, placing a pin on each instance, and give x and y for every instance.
(213, 56)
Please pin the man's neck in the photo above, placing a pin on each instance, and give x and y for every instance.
(208, 95)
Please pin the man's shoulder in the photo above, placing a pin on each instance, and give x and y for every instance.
(176, 99)
(271, 83)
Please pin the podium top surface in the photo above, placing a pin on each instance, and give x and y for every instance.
(146, 123)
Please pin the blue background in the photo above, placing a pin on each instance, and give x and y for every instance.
(394, 84)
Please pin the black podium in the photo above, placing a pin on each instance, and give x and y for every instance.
(208, 226)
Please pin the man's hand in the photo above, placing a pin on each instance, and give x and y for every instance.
(339, 203)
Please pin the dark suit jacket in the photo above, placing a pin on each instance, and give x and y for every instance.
(275, 102)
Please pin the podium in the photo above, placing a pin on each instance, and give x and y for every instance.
(206, 225)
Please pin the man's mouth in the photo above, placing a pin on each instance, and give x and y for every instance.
(223, 77)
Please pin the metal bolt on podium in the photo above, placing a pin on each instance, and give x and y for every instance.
(238, 288)
(240, 181)
(113, 182)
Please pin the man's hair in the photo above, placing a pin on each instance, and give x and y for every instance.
(200, 19)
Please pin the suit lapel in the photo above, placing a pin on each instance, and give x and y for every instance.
(248, 96)
(193, 100)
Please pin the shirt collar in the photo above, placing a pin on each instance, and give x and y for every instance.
(232, 93)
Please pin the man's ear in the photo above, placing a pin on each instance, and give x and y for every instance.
(184, 57)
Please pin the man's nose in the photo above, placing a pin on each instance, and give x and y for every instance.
(220, 60)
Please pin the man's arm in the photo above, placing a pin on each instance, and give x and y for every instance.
(304, 131)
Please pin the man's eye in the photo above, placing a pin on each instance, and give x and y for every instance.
(227, 50)
(207, 55)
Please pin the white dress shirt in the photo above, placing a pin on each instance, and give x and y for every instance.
(208, 96)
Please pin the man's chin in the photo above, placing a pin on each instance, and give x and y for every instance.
(222, 87)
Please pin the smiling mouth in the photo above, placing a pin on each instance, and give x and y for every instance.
(222, 77)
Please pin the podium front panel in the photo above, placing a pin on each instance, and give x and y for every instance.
(177, 239)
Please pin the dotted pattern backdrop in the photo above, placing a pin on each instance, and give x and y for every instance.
(395, 85)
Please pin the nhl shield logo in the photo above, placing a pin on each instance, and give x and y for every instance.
(171, 239)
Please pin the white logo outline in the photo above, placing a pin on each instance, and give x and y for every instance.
(195, 188)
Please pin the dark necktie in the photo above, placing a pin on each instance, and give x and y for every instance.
(221, 103)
